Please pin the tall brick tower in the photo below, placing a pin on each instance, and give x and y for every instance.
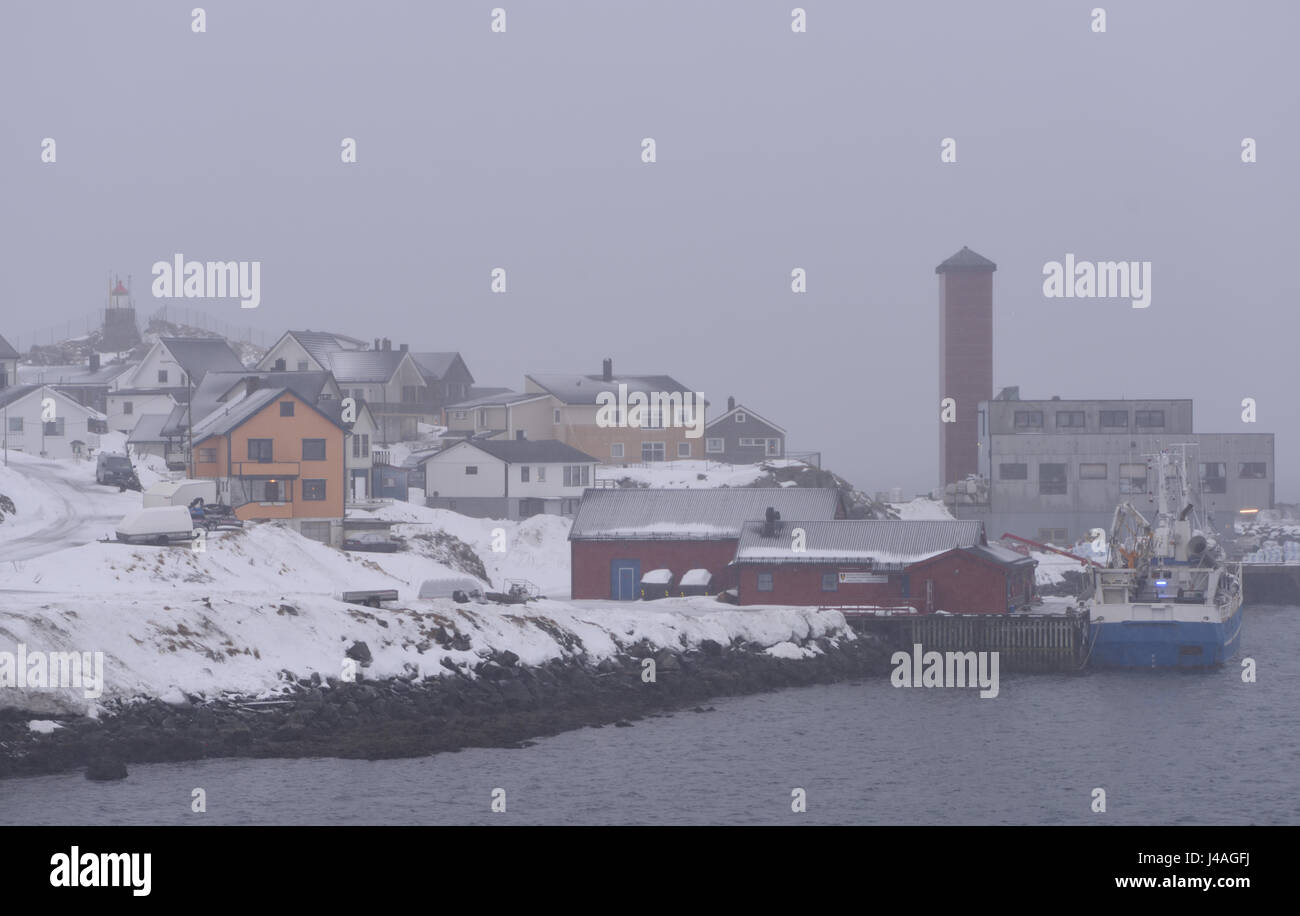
(965, 357)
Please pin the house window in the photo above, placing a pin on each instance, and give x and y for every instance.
(774, 448)
(262, 450)
(1214, 477)
(96, 426)
(523, 473)
(162, 376)
(410, 394)
(286, 408)
(765, 582)
(616, 450)
(683, 450)
(1114, 419)
(208, 456)
(714, 446)
(1252, 470)
(54, 428)
(302, 365)
(1013, 471)
(471, 469)
(313, 490)
(653, 451)
(313, 450)
(1051, 479)
(749, 442)
(361, 445)
(459, 414)
(1132, 479)
(1149, 419)
(905, 586)
(15, 424)
(272, 491)
(577, 475)
(740, 418)
(555, 415)
(1070, 419)
(1092, 471)
(541, 473)
(830, 582)
(128, 407)
(279, 365)
(1029, 419)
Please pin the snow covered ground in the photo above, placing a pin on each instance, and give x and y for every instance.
(688, 473)
(921, 508)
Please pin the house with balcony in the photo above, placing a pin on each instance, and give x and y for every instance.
(576, 412)
(276, 456)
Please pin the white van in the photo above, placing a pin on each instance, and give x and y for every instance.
(157, 525)
(180, 493)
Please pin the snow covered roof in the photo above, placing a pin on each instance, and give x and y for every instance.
(582, 389)
(362, 366)
(881, 543)
(528, 451)
(220, 422)
(696, 577)
(320, 344)
(498, 398)
(657, 577)
(149, 428)
(694, 514)
(435, 366)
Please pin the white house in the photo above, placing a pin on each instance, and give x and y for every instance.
(171, 369)
(41, 420)
(514, 478)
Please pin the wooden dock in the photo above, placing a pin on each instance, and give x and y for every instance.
(1024, 642)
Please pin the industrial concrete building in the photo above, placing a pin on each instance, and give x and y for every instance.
(1052, 470)
(965, 356)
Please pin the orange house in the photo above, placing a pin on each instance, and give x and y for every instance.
(275, 456)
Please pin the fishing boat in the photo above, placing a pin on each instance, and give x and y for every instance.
(1166, 597)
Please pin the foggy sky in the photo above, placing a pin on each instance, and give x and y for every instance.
(775, 150)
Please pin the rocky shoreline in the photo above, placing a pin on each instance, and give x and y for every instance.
(504, 704)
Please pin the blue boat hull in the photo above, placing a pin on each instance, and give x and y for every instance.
(1164, 644)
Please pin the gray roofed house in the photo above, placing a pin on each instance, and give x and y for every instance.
(884, 544)
(539, 451)
(693, 514)
(583, 389)
(201, 355)
(508, 478)
(222, 421)
(147, 436)
(364, 366)
(496, 397)
(7, 351)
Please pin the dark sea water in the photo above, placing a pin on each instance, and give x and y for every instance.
(1167, 747)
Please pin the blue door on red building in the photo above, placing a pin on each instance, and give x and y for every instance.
(624, 579)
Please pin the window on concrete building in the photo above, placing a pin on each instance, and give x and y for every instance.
(523, 473)
(830, 582)
(683, 450)
(1029, 419)
(653, 451)
(1114, 419)
(1013, 471)
(1214, 476)
(1052, 479)
(313, 449)
(616, 450)
(1149, 419)
(714, 446)
(1252, 470)
(1070, 419)
(1132, 479)
(1090, 471)
(313, 490)
(1052, 536)
(765, 582)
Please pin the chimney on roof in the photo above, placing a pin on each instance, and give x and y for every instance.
(94, 362)
(607, 369)
(771, 522)
(402, 347)
(388, 345)
(731, 404)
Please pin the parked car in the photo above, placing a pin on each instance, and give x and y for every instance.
(372, 541)
(159, 525)
(114, 468)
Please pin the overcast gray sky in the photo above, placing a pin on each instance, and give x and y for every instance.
(775, 150)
